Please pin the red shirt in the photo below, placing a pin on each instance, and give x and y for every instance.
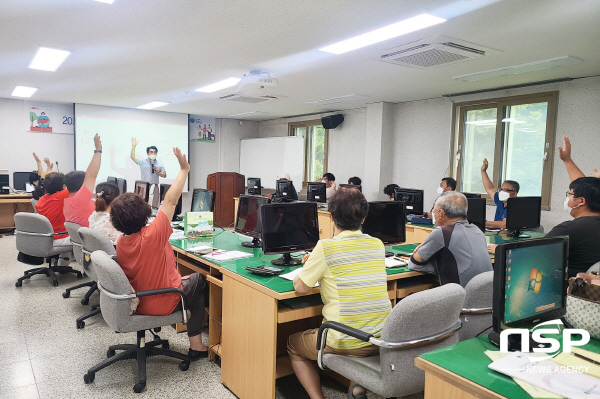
(51, 206)
(148, 261)
(79, 207)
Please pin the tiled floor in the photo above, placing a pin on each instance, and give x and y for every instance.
(43, 355)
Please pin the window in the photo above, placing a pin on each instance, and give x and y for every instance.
(315, 145)
(515, 134)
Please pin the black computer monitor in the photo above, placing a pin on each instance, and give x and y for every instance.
(529, 285)
(471, 195)
(283, 190)
(412, 198)
(179, 207)
(21, 180)
(248, 218)
(122, 184)
(254, 187)
(476, 212)
(358, 187)
(316, 192)
(111, 179)
(142, 189)
(288, 227)
(523, 213)
(386, 220)
(203, 200)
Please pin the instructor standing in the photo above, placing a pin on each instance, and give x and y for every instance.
(150, 167)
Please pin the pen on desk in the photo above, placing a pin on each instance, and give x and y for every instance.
(586, 358)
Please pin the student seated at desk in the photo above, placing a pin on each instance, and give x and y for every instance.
(285, 176)
(147, 258)
(351, 272)
(79, 205)
(510, 188)
(389, 190)
(329, 180)
(36, 177)
(447, 184)
(355, 181)
(455, 250)
(106, 193)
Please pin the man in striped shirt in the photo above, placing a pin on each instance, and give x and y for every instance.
(351, 271)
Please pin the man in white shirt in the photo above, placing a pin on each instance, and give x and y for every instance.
(150, 167)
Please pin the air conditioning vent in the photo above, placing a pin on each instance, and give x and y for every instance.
(247, 99)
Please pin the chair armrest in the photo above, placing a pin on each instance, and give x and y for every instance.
(60, 233)
(475, 311)
(139, 294)
(334, 325)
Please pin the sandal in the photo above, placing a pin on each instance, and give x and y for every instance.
(359, 396)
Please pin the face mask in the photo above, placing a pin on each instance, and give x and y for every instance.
(440, 190)
(433, 219)
(152, 157)
(567, 207)
(503, 196)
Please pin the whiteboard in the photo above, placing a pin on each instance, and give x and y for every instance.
(267, 158)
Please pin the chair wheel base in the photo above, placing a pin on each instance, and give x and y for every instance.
(55, 283)
(89, 378)
(66, 294)
(110, 353)
(18, 284)
(183, 366)
(85, 301)
(139, 387)
(79, 275)
(80, 324)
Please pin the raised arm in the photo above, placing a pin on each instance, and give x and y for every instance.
(173, 194)
(40, 168)
(487, 183)
(94, 167)
(49, 165)
(134, 143)
(564, 153)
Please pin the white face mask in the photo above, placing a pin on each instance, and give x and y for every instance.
(433, 219)
(503, 196)
(152, 157)
(567, 207)
(440, 190)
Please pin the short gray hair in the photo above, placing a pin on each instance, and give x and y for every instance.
(454, 204)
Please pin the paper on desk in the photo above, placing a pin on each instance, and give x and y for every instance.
(222, 256)
(391, 262)
(532, 390)
(569, 359)
(549, 376)
(291, 275)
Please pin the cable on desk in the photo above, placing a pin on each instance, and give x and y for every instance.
(479, 333)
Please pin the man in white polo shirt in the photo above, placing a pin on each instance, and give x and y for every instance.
(150, 167)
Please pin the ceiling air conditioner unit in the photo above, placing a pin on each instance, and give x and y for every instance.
(254, 88)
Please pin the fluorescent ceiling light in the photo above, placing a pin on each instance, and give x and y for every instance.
(249, 113)
(219, 85)
(153, 104)
(106, 1)
(522, 68)
(23, 91)
(48, 59)
(335, 100)
(387, 32)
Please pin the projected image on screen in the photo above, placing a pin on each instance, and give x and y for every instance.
(116, 127)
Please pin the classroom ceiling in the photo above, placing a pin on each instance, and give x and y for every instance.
(132, 52)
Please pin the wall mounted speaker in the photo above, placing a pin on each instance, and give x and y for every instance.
(332, 121)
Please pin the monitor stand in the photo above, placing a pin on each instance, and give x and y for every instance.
(255, 243)
(286, 260)
(518, 234)
(514, 342)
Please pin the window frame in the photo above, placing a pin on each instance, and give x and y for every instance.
(500, 103)
(307, 125)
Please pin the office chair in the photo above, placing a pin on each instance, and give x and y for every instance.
(35, 243)
(476, 314)
(73, 230)
(419, 323)
(33, 202)
(92, 240)
(116, 295)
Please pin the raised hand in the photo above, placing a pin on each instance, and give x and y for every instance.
(596, 173)
(49, 164)
(485, 165)
(134, 141)
(183, 163)
(97, 142)
(37, 159)
(564, 152)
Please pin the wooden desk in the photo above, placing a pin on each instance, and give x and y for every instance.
(249, 325)
(11, 204)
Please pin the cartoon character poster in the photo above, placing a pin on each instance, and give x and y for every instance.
(202, 128)
(40, 118)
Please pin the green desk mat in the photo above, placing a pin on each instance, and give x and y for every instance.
(467, 359)
(232, 242)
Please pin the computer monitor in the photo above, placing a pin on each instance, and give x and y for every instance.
(288, 227)
(142, 189)
(154, 196)
(178, 208)
(4, 184)
(20, 180)
(122, 184)
(476, 212)
(359, 187)
(283, 190)
(386, 220)
(248, 218)
(203, 200)
(471, 195)
(529, 285)
(316, 192)
(523, 213)
(254, 187)
(111, 179)
(412, 198)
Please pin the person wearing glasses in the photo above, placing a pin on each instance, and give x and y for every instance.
(509, 188)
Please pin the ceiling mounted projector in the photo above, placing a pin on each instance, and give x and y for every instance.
(257, 83)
